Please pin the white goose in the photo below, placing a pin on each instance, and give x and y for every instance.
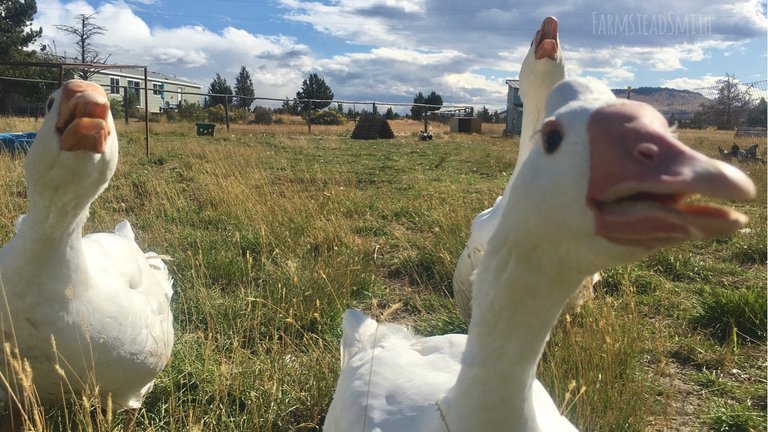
(542, 68)
(623, 177)
(104, 302)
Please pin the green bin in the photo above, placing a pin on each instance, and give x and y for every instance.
(205, 129)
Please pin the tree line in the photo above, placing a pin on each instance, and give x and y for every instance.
(733, 106)
(17, 37)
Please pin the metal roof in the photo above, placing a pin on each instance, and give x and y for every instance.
(139, 74)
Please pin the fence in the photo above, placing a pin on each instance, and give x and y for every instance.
(735, 112)
(306, 105)
(732, 112)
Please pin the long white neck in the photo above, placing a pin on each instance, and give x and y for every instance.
(535, 84)
(48, 240)
(517, 299)
(54, 221)
(533, 115)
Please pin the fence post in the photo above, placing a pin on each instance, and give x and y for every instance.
(226, 111)
(125, 103)
(309, 116)
(146, 109)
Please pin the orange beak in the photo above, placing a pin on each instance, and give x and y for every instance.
(546, 39)
(82, 121)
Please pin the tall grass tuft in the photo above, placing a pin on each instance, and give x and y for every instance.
(726, 312)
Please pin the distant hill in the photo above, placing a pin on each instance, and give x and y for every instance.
(680, 103)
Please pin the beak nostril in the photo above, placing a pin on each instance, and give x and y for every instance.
(646, 152)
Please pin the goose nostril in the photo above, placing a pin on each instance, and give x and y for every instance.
(646, 152)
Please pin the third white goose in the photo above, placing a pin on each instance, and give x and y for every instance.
(542, 68)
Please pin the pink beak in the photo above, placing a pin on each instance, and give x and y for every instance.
(82, 121)
(641, 173)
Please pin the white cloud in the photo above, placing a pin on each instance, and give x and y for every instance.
(401, 47)
(619, 75)
(473, 87)
(692, 83)
(276, 63)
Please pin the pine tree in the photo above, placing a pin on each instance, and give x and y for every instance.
(316, 89)
(218, 87)
(243, 89)
(485, 115)
(434, 99)
(16, 35)
(417, 112)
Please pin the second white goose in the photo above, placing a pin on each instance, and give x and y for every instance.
(624, 177)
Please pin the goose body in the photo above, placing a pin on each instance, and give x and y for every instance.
(103, 302)
(408, 399)
(599, 157)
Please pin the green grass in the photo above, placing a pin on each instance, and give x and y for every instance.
(730, 313)
(274, 234)
(735, 417)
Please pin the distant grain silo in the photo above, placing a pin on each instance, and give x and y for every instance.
(514, 108)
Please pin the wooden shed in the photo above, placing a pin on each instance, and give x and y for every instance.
(466, 125)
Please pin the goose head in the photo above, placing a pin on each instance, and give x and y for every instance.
(543, 66)
(608, 182)
(75, 152)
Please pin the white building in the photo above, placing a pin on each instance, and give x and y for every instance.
(163, 90)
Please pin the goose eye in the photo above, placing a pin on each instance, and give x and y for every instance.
(50, 103)
(552, 136)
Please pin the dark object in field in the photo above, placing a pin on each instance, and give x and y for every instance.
(743, 156)
(425, 136)
(205, 129)
(369, 128)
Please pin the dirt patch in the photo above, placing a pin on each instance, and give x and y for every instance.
(683, 401)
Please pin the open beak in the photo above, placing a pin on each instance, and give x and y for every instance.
(642, 179)
(546, 41)
(82, 120)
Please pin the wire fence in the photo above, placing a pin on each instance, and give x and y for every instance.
(735, 112)
(730, 106)
(160, 101)
(732, 113)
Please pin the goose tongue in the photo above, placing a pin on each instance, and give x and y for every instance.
(641, 176)
(81, 122)
(546, 39)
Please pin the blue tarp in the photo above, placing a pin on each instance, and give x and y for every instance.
(13, 142)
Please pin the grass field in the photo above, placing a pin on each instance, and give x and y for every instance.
(274, 233)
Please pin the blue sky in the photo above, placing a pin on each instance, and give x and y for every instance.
(388, 50)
